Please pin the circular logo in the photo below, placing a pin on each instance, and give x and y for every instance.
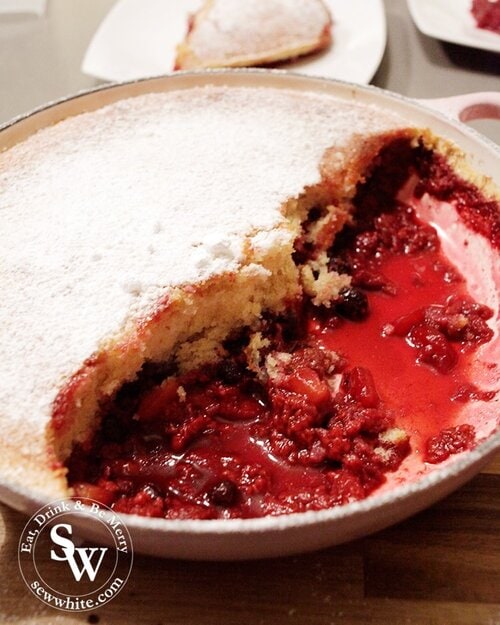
(66, 573)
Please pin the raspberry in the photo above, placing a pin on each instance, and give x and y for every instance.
(450, 441)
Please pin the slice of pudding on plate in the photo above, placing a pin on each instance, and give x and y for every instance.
(239, 33)
(196, 285)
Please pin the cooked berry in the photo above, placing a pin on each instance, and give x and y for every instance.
(360, 386)
(224, 493)
(450, 441)
(433, 348)
(353, 304)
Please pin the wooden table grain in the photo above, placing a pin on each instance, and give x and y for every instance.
(441, 567)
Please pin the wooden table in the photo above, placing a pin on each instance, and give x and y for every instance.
(442, 567)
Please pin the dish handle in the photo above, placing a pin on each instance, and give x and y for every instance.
(467, 107)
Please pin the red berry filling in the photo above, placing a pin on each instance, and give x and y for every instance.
(312, 429)
(330, 403)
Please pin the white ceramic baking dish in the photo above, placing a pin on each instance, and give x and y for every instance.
(407, 492)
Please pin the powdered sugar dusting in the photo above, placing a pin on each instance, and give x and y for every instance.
(104, 212)
(247, 27)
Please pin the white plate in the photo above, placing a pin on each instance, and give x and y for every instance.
(138, 38)
(451, 20)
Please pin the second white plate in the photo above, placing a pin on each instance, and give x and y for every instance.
(138, 38)
(451, 20)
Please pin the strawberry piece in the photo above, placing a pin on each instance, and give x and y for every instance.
(360, 386)
(305, 381)
(402, 325)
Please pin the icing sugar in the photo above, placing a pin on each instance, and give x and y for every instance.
(240, 27)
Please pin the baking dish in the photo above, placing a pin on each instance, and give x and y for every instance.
(406, 492)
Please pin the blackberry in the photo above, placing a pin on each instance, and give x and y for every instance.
(352, 304)
(225, 494)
